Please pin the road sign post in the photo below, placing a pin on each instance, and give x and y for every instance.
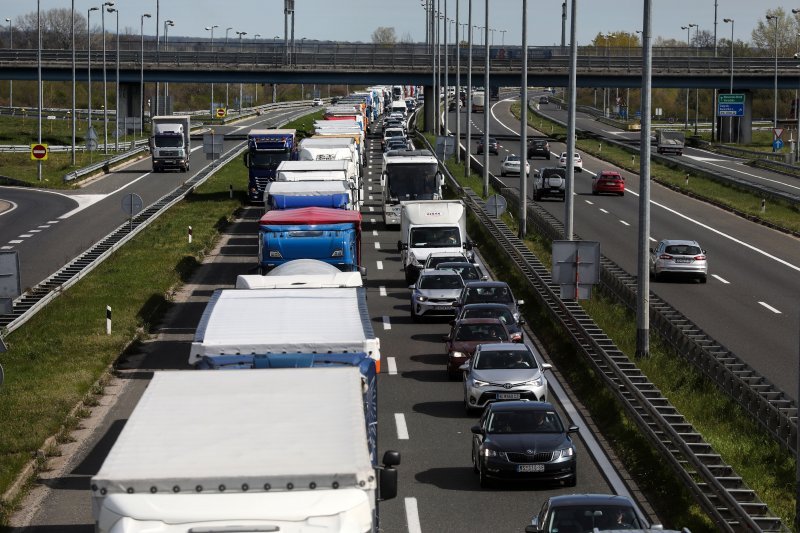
(221, 112)
(39, 152)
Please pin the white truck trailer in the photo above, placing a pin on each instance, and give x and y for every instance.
(431, 226)
(261, 450)
(170, 142)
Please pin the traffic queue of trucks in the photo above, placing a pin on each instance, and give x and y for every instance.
(213, 451)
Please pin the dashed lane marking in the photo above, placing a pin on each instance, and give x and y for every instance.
(386, 323)
(392, 362)
(402, 429)
(770, 308)
(603, 211)
(379, 265)
(412, 516)
(623, 222)
(374, 233)
(377, 246)
(723, 280)
(382, 290)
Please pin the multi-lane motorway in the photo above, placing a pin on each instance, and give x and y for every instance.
(750, 303)
(420, 411)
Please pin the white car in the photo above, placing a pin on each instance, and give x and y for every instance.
(316, 102)
(562, 161)
(511, 165)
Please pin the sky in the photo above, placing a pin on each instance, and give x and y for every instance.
(355, 20)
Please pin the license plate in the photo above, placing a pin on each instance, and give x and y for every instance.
(508, 396)
(679, 260)
(443, 308)
(530, 468)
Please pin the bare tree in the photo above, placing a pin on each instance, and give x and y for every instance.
(384, 35)
(56, 32)
(407, 38)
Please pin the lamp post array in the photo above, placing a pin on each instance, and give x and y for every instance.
(116, 105)
(89, 61)
(688, 28)
(167, 25)
(730, 119)
(211, 28)
(105, 81)
(775, 90)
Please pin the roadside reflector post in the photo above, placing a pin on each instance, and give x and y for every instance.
(687, 179)
(763, 205)
(599, 147)
(108, 320)
(633, 160)
(231, 190)
(190, 235)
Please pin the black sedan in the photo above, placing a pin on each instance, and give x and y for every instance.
(495, 310)
(519, 440)
(494, 146)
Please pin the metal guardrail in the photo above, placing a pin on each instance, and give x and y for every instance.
(105, 163)
(723, 494)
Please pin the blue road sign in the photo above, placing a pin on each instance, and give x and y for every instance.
(777, 144)
(730, 105)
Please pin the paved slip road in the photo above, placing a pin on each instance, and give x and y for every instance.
(750, 303)
(437, 491)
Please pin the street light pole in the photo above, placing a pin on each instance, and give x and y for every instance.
(730, 119)
(116, 105)
(775, 91)
(486, 104)
(167, 25)
(89, 62)
(226, 83)
(688, 44)
(141, 74)
(523, 131)
(39, 68)
(696, 91)
(11, 46)
(458, 88)
(211, 108)
(72, 32)
(468, 99)
(105, 81)
(240, 34)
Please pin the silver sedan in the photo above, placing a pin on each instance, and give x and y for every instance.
(678, 257)
(500, 372)
(511, 165)
(435, 292)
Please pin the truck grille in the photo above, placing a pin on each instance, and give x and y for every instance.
(168, 153)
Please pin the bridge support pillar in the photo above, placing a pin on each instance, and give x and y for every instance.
(128, 113)
(738, 130)
(430, 107)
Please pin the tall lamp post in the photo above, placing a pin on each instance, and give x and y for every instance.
(167, 25)
(226, 83)
(255, 50)
(688, 44)
(775, 91)
(606, 37)
(486, 102)
(11, 46)
(730, 119)
(240, 34)
(468, 99)
(72, 32)
(211, 28)
(116, 105)
(89, 58)
(105, 81)
(141, 74)
(39, 75)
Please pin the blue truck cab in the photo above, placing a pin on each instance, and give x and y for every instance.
(265, 151)
(326, 234)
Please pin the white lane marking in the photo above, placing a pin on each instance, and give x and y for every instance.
(45, 226)
(6, 247)
(34, 231)
(374, 233)
(379, 265)
(723, 280)
(589, 202)
(770, 308)
(370, 197)
(200, 146)
(402, 429)
(369, 188)
(762, 178)
(623, 222)
(382, 290)
(15, 241)
(725, 235)
(25, 236)
(392, 362)
(412, 516)
(386, 323)
(52, 221)
(371, 209)
(652, 239)
(603, 211)
(372, 220)
(11, 208)
(377, 246)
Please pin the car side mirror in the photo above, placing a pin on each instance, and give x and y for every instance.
(573, 429)
(521, 321)
(652, 250)
(411, 287)
(484, 278)
(546, 366)
(445, 338)
(363, 271)
(477, 430)
(464, 367)
(532, 529)
(520, 302)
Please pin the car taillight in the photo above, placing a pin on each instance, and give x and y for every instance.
(665, 256)
(699, 258)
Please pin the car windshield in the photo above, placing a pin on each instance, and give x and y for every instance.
(505, 360)
(481, 332)
(683, 249)
(502, 313)
(440, 281)
(588, 517)
(527, 421)
(434, 261)
(438, 237)
(488, 295)
(467, 271)
(512, 159)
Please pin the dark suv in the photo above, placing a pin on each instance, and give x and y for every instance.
(539, 147)
(494, 147)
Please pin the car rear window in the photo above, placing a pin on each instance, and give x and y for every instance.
(488, 295)
(491, 312)
(683, 249)
(481, 332)
(441, 281)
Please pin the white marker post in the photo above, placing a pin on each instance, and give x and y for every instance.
(190, 235)
(108, 320)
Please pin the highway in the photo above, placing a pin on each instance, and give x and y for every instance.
(420, 411)
(749, 304)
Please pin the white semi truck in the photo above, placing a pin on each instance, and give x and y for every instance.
(170, 143)
(259, 450)
(431, 226)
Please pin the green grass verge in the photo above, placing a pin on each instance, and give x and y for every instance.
(779, 213)
(54, 360)
(763, 465)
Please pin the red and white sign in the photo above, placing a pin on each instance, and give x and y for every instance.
(778, 133)
(39, 152)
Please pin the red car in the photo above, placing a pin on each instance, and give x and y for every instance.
(608, 181)
(465, 335)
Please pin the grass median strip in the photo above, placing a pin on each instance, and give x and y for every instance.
(764, 466)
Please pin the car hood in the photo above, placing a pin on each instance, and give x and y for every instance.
(439, 293)
(421, 254)
(521, 442)
(515, 375)
(466, 346)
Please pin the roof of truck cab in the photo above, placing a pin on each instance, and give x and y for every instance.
(310, 216)
(327, 142)
(271, 132)
(308, 166)
(242, 430)
(306, 188)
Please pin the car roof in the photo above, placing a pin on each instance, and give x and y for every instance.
(669, 242)
(591, 499)
(479, 321)
(515, 347)
(454, 264)
(486, 284)
(512, 156)
(516, 405)
(485, 305)
(438, 272)
(444, 254)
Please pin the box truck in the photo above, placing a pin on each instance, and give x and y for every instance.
(408, 175)
(266, 149)
(170, 143)
(246, 451)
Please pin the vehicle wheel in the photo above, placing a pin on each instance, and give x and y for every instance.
(414, 316)
(594, 193)
(622, 193)
(536, 196)
(452, 376)
(475, 468)
(571, 482)
(484, 481)
(703, 279)
(502, 174)
(467, 409)
(654, 275)
(580, 169)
